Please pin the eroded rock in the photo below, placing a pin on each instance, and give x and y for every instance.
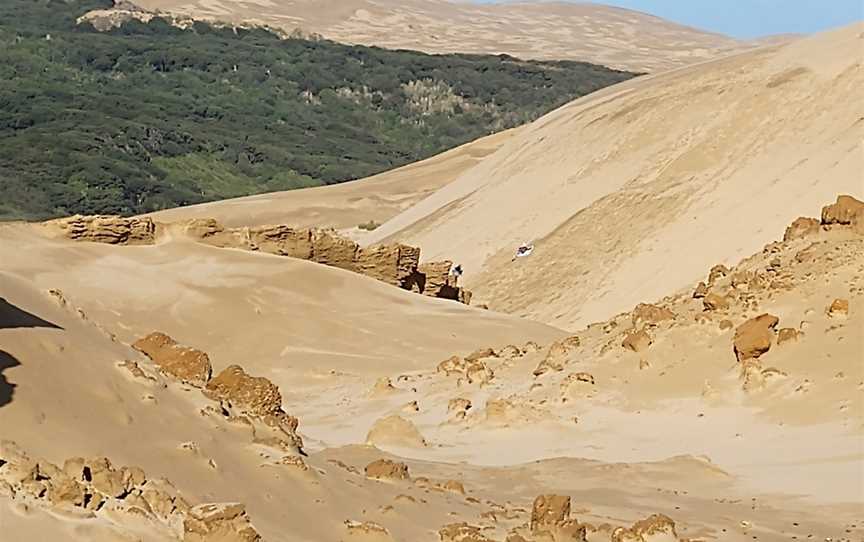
(248, 394)
(753, 338)
(114, 230)
(385, 469)
(187, 365)
(224, 522)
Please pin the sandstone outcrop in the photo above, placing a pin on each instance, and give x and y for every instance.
(251, 395)
(474, 371)
(550, 520)
(367, 531)
(462, 532)
(187, 365)
(113, 230)
(385, 469)
(753, 338)
(650, 315)
(801, 227)
(656, 528)
(93, 486)
(846, 211)
(434, 280)
(395, 263)
(557, 356)
(225, 522)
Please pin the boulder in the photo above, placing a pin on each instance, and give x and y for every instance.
(113, 230)
(801, 227)
(753, 338)
(226, 522)
(700, 291)
(481, 353)
(385, 469)
(555, 360)
(187, 365)
(248, 394)
(839, 308)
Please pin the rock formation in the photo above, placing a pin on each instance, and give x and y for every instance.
(846, 211)
(473, 371)
(395, 264)
(656, 528)
(94, 486)
(251, 395)
(385, 469)
(651, 315)
(225, 522)
(838, 308)
(462, 532)
(753, 338)
(114, 230)
(801, 227)
(187, 365)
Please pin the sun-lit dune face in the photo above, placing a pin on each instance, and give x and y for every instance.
(634, 190)
(605, 35)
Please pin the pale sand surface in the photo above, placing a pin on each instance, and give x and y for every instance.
(611, 36)
(708, 161)
(676, 434)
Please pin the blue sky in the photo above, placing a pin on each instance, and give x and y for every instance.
(751, 18)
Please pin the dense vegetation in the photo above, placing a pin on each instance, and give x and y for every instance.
(149, 116)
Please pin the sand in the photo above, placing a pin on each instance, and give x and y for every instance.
(709, 161)
(610, 36)
(733, 408)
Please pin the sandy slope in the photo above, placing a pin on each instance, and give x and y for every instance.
(708, 161)
(669, 429)
(596, 33)
(344, 206)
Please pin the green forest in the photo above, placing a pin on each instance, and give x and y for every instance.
(151, 116)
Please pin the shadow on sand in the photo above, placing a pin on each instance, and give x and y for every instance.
(11, 317)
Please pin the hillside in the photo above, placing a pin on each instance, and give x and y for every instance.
(706, 161)
(367, 202)
(151, 116)
(397, 440)
(605, 35)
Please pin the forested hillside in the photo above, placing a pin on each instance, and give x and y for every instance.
(149, 116)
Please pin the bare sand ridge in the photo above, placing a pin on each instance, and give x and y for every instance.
(730, 426)
(707, 161)
(611, 36)
(347, 205)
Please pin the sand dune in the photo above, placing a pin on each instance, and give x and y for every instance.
(345, 206)
(707, 161)
(716, 406)
(596, 33)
